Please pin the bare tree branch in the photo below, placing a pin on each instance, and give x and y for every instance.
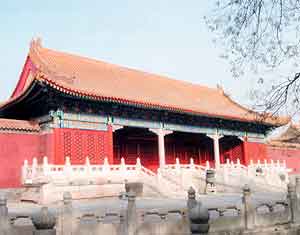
(261, 35)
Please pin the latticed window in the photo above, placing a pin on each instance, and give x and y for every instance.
(79, 144)
(100, 147)
(232, 149)
(91, 153)
(237, 153)
(67, 143)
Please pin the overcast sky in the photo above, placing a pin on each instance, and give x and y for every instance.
(158, 36)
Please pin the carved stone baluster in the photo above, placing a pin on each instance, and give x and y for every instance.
(131, 214)
(298, 186)
(44, 222)
(197, 214)
(4, 223)
(67, 214)
(292, 198)
(248, 209)
(25, 175)
(46, 168)
(34, 169)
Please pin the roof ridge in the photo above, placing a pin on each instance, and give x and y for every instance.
(227, 96)
(42, 65)
(17, 124)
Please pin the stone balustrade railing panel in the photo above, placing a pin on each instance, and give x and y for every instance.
(126, 217)
(176, 178)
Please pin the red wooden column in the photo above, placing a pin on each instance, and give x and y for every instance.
(246, 151)
(112, 128)
(110, 144)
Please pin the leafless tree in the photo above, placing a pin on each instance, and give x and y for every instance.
(261, 36)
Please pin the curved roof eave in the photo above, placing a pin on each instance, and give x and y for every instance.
(42, 73)
(42, 79)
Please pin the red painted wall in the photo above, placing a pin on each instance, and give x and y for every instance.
(14, 149)
(290, 155)
(79, 144)
(231, 149)
(260, 151)
(254, 151)
(47, 147)
(76, 143)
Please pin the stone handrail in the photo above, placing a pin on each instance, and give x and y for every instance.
(137, 218)
(147, 171)
(173, 177)
(191, 166)
(233, 174)
(37, 174)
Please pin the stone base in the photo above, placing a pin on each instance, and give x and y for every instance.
(135, 187)
(50, 193)
(211, 189)
(45, 232)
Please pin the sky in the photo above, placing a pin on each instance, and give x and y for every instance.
(158, 36)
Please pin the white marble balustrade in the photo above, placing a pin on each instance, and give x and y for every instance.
(171, 177)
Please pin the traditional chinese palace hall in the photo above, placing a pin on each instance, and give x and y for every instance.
(66, 105)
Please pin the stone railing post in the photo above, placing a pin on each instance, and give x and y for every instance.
(293, 207)
(25, 172)
(4, 222)
(131, 214)
(226, 168)
(67, 168)
(46, 168)
(259, 169)
(44, 222)
(248, 209)
(138, 165)
(123, 229)
(207, 165)
(158, 177)
(192, 164)
(34, 167)
(177, 166)
(87, 166)
(250, 169)
(210, 181)
(238, 163)
(297, 181)
(106, 167)
(123, 166)
(138, 168)
(278, 165)
(197, 214)
(67, 214)
(272, 166)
